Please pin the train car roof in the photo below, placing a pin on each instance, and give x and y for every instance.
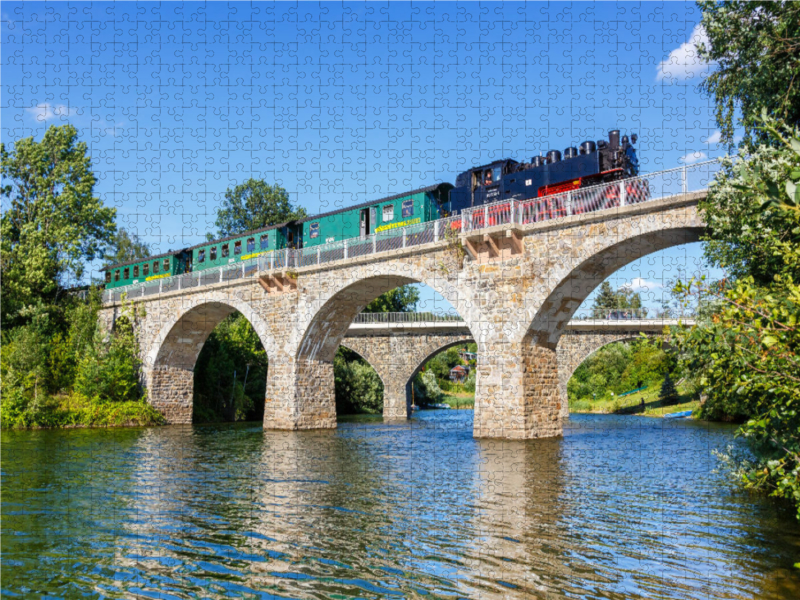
(240, 235)
(429, 188)
(140, 260)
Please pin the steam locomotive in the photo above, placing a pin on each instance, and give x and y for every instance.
(539, 187)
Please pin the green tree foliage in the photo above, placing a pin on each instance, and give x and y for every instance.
(400, 299)
(426, 388)
(668, 393)
(619, 368)
(358, 387)
(744, 355)
(126, 247)
(108, 371)
(254, 204)
(608, 299)
(71, 372)
(755, 50)
(52, 221)
(231, 374)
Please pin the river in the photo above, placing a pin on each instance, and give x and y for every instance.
(620, 507)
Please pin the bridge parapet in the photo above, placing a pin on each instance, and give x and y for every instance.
(491, 227)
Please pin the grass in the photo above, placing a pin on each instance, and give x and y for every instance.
(630, 404)
(459, 399)
(74, 410)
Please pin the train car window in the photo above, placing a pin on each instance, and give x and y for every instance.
(155, 266)
(290, 238)
(127, 273)
(224, 250)
(264, 242)
(388, 212)
(237, 247)
(146, 269)
(201, 256)
(213, 255)
(313, 230)
(166, 264)
(498, 174)
(408, 208)
(108, 276)
(251, 244)
(136, 271)
(116, 275)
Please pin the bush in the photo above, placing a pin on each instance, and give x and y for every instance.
(426, 388)
(357, 385)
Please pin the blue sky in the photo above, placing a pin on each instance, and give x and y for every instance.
(341, 103)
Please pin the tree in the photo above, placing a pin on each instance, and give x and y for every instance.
(53, 221)
(401, 299)
(745, 354)
(126, 247)
(254, 204)
(669, 393)
(755, 47)
(608, 300)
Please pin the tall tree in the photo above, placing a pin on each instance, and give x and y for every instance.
(755, 48)
(126, 246)
(52, 222)
(609, 299)
(254, 204)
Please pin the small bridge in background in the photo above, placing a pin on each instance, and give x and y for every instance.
(397, 345)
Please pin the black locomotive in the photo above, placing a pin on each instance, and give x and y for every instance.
(590, 165)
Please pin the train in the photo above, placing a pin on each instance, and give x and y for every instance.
(533, 183)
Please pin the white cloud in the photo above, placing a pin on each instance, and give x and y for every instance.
(637, 284)
(692, 157)
(684, 62)
(47, 112)
(714, 138)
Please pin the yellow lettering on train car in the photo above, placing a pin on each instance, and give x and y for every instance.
(399, 224)
(246, 256)
(158, 276)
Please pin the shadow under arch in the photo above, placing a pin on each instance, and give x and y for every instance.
(171, 359)
(575, 283)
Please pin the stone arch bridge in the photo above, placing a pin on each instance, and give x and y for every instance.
(515, 285)
(397, 348)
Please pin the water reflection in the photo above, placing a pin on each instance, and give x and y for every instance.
(618, 507)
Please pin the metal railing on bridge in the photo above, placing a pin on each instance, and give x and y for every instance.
(636, 190)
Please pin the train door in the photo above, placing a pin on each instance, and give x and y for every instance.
(364, 222)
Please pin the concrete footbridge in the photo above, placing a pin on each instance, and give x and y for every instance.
(515, 277)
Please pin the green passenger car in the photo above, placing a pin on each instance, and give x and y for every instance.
(235, 248)
(400, 210)
(147, 269)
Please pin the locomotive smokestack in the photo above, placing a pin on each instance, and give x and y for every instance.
(613, 139)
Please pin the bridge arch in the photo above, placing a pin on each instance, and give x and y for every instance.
(397, 358)
(577, 279)
(575, 347)
(171, 357)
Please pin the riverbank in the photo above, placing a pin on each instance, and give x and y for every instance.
(75, 411)
(631, 404)
(459, 400)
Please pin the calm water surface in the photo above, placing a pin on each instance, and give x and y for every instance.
(620, 507)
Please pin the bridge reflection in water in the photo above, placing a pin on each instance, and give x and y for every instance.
(619, 507)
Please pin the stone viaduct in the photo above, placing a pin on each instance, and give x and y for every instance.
(397, 351)
(516, 286)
